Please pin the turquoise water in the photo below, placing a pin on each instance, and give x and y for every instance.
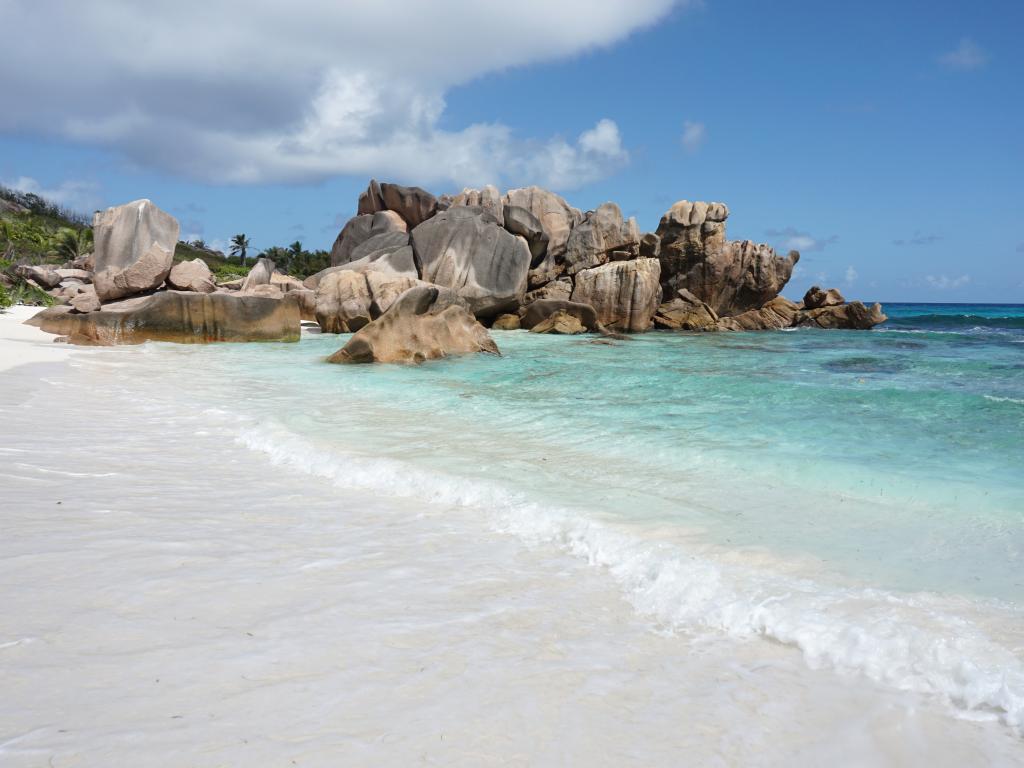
(858, 495)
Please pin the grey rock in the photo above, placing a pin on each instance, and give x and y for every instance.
(359, 229)
(520, 221)
(259, 274)
(602, 232)
(134, 249)
(464, 249)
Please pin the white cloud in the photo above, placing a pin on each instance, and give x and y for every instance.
(693, 136)
(944, 283)
(966, 57)
(851, 275)
(805, 242)
(301, 91)
(82, 196)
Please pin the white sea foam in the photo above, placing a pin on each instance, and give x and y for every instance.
(916, 642)
(997, 399)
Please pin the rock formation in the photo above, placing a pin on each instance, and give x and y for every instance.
(259, 274)
(686, 313)
(815, 298)
(179, 316)
(625, 294)
(853, 316)
(363, 227)
(466, 249)
(413, 204)
(599, 237)
(425, 323)
(540, 311)
(134, 249)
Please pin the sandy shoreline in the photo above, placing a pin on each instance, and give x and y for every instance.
(22, 344)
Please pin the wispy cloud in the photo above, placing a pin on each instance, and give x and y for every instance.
(944, 283)
(968, 56)
(796, 240)
(918, 239)
(693, 135)
(851, 275)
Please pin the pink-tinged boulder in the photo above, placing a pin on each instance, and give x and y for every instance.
(192, 275)
(134, 249)
(180, 316)
(625, 294)
(488, 198)
(427, 322)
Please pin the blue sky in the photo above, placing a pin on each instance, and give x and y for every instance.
(883, 140)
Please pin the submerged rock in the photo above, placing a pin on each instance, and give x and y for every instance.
(134, 249)
(179, 316)
(426, 323)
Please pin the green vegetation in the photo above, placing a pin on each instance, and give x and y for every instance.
(36, 231)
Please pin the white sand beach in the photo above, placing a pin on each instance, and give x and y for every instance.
(21, 344)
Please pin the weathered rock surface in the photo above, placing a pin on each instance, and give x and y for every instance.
(426, 323)
(506, 323)
(347, 300)
(179, 316)
(520, 221)
(815, 298)
(560, 323)
(85, 300)
(466, 250)
(71, 273)
(852, 316)
(625, 294)
(778, 313)
(259, 274)
(413, 204)
(556, 289)
(685, 313)
(362, 228)
(134, 249)
(541, 310)
(192, 275)
(388, 260)
(602, 232)
(557, 218)
(488, 198)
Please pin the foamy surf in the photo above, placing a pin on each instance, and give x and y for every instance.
(920, 643)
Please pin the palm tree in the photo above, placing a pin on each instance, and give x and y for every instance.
(71, 244)
(240, 246)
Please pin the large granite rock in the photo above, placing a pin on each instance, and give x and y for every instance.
(540, 311)
(852, 316)
(601, 233)
(731, 277)
(192, 275)
(346, 300)
(816, 297)
(556, 289)
(134, 249)
(685, 313)
(466, 250)
(557, 218)
(426, 323)
(359, 229)
(488, 198)
(179, 316)
(46, 276)
(413, 204)
(388, 260)
(625, 294)
(519, 221)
